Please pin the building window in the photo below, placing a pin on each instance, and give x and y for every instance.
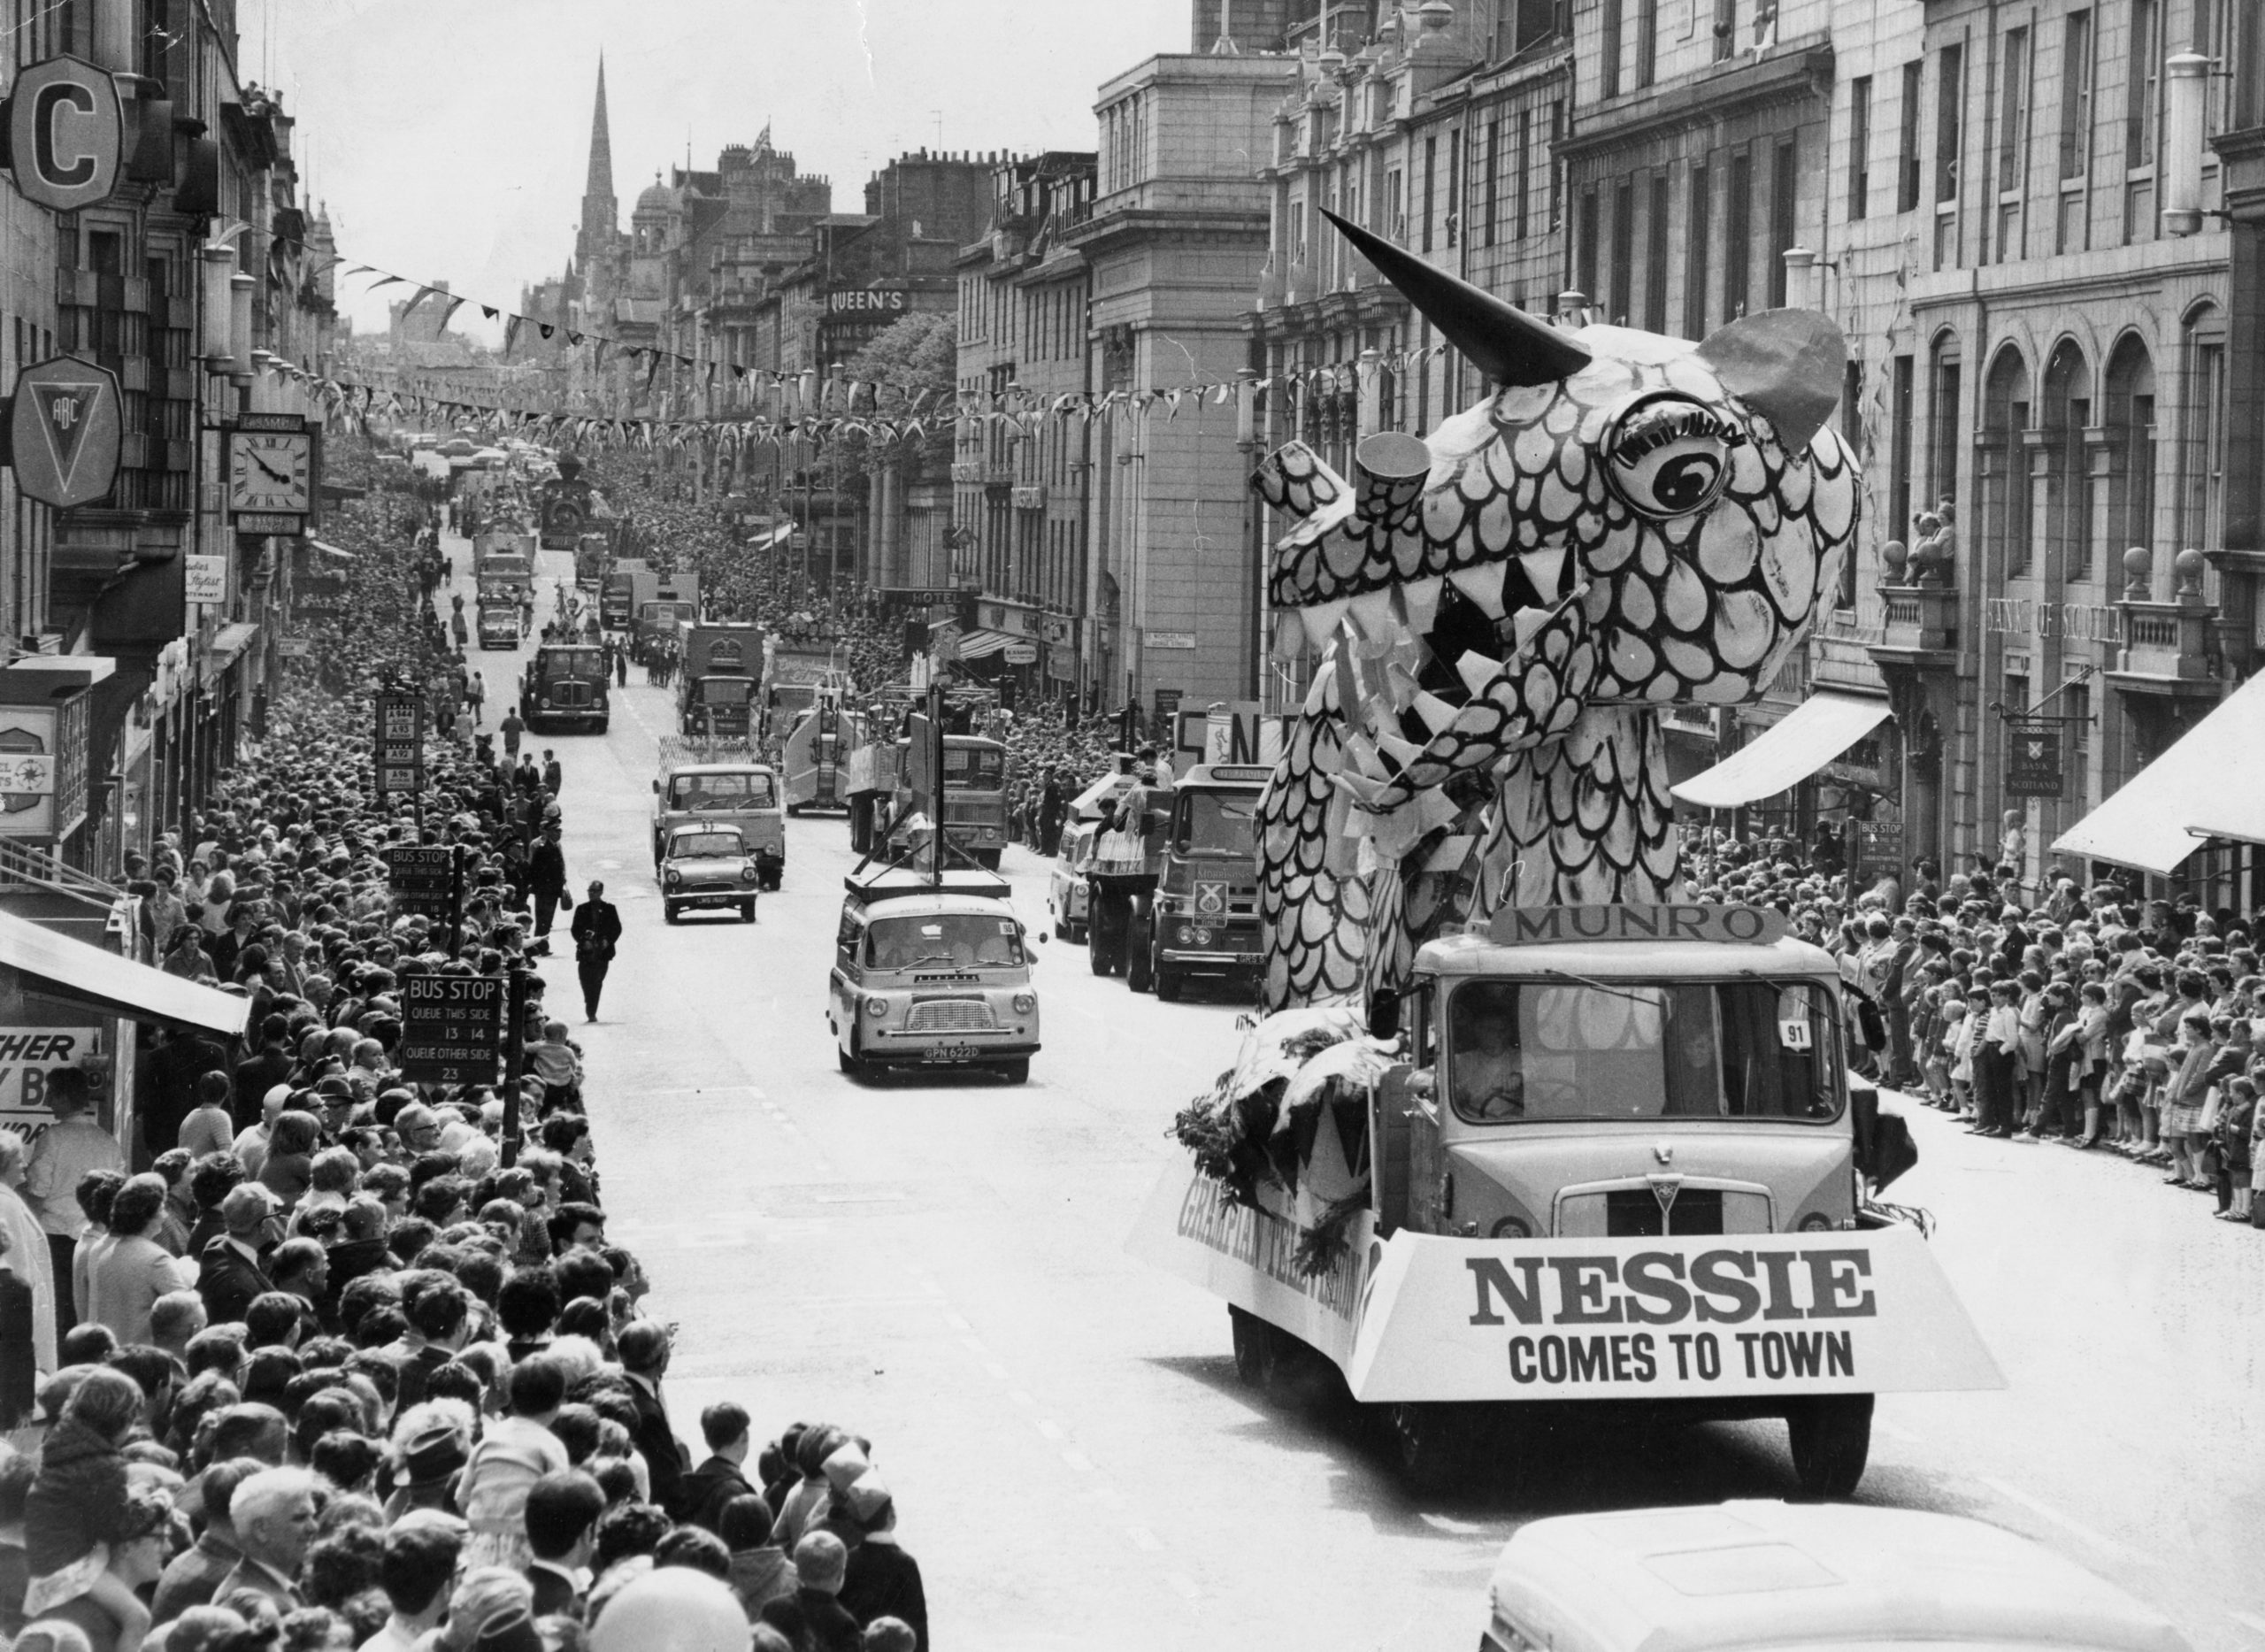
(1395, 213)
(1584, 245)
(1859, 144)
(1556, 167)
(1430, 185)
(2005, 419)
(1624, 251)
(1907, 157)
(2202, 441)
(1607, 51)
(1454, 185)
(1522, 157)
(2076, 705)
(1899, 448)
(1737, 236)
(1647, 41)
(2069, 229)
(1781, 182)
(1950, 98)
(1655, 238)
(1943, 429)
(1725, 29)
(1697, 229)
(2013, 144)
(1494, 181)
(2141, 86)
(2067, 411)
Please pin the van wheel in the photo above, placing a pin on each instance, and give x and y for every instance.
(853, 1065)
(1434, 1443)
(1831, 1437)
(1014, 1071)
(1258, 1349)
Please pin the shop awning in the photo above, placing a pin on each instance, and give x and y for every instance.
(975, 645)
(71, 969)
(2209, 777)
(232, 640)
(1786, 753)
(332, 551)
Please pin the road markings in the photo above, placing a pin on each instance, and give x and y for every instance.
(2100, 1541)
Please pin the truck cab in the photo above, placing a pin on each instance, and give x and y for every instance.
(740, 794)
(565, 688)
(931, 972)
(714, 693)
(1200, 918)
(975, 798)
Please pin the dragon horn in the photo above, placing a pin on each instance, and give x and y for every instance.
(1501, 340)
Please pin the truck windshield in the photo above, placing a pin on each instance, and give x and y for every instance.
(1560, 1049)
(1214, 823)
(975, 768)
(724, 792)
(963, 939)
(706, 846)
(572, 662)
(724, 691)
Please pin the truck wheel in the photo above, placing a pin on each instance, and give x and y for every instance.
(1100, 948)
(1258, 1349)
(1832, 1436)
(1170, 984)
(1434, 1443)
(1139, 960)
(1014, 1071)
(987, 858)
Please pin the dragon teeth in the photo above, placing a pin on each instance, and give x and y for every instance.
(1372, 612)
(1482, 583)
(1545, 569)
(1323, 619)
(1526, 622)
(1421, 598)
(1289, 634)
(1402, 753)
(1437, 715)
(1477, 672)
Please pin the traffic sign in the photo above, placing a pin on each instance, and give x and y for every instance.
(67, 133)
(63, 432)
(452, 1028)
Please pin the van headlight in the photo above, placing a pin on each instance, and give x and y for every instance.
(1024, 1003)
(877, 1008)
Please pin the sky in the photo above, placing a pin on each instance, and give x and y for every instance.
(451, 141)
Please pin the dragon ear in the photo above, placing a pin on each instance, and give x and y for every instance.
(1787, 364)
(1501, 340)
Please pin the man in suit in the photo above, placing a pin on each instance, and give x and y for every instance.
(547, 876)
(644, 1347)
(598, 932)
(229, 1271)
(727, 1428)
(562, 1516)
(273, 1512)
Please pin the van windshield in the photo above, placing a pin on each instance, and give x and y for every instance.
(722, 690)
(1551, 1050)
(959, 939)
(722, 792)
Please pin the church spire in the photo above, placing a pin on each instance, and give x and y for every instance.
(599, 186)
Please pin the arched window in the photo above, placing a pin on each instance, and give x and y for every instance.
(2066, 411)
(2202, 432)
(2129, 413)
(2005, 475)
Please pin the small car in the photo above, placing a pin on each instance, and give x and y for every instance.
(705, 866)
(1752, 1573)
(1066, 890)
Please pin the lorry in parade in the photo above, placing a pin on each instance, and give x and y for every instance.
(974, 804)
(1170, 871)
(931, 969)
(662, 611)
(717, 678)
(564, 690)
(1599, 1158)
(703, 783)
(618, 591)
(814, 753)
(794, 672)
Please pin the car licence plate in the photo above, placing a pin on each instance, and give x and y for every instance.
(948, 1052)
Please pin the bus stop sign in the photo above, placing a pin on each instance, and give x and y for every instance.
(66, 134)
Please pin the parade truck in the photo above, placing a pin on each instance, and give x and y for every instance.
(1173, 896)
(564, 690)
(974, 812)
(716, 680)
(506, 559)
(794, 672)
(869, 777)
(618, 591)
(593, 555)
(1592, 1162)
(564, 505)
(813, 755)
(673, 600)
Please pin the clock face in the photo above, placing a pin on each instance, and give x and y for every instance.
(271, 470)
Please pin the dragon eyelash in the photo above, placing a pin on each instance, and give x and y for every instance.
(1651, 430)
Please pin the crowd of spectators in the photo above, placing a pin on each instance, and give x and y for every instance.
(353, 1363)
(2086, 1015)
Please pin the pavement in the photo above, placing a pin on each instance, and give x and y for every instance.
(940, 1265)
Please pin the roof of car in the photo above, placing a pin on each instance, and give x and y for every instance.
(1739, 1574)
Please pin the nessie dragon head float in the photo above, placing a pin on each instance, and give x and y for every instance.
(1628, 521)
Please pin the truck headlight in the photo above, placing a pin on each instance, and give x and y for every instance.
(877, 1008)
(990, 833)
(1024, 1003)
(1184, 935)
(1202, 936)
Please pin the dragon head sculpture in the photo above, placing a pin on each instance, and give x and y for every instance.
(1627, 521)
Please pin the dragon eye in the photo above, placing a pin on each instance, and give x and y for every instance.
(1669, 456)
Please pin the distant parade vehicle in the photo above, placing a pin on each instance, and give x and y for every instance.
(1171, 877)
(1068, 893)
(1749, 1574)
(617, 590)
(932, 970)
(564, 506)
(708, 865)
(796, 674)
(565, 690)
(975, 802)
(1590, 1156)
(812, 755)
(499, 620)
(717, 678)
(696, 788)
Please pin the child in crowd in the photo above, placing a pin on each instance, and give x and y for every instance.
(79, 1506)
(553, 1060)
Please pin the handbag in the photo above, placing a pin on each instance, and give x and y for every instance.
(2212, 1103)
